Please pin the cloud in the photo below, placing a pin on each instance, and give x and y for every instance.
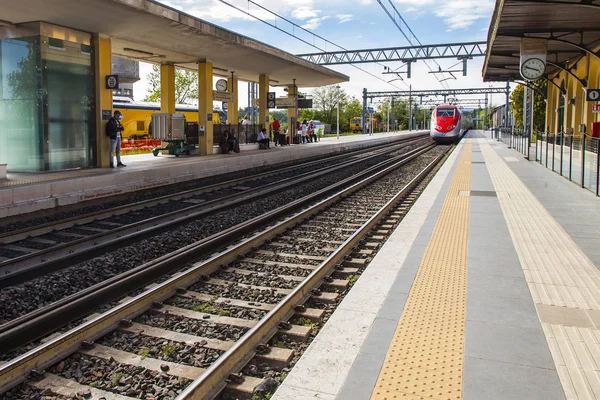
(457, 14)
(344, 18)
(314, 23)
(305, 12)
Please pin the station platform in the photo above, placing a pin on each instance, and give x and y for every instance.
(489, 289)
(30, 192)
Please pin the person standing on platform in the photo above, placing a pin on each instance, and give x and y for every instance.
(246, 127)
(310, 133)
(304, 129)
(276, 126)
(113, 131)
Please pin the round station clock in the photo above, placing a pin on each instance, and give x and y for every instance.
(533, 69)
(221, 85)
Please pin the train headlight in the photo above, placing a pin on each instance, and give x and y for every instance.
(451, 127)
(437, 127)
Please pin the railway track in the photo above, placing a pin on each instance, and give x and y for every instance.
(27, 253)
(189, 335)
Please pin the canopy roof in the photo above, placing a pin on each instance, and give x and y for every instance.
(570, 25)
(148, 31)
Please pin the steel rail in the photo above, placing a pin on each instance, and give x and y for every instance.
(15, 371)
(21, 234)
(212, 381)
(48, 319)
(29, 266)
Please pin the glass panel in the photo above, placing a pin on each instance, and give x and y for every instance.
(589, 180)
(576, 164)
(21, 130)
(69, 81)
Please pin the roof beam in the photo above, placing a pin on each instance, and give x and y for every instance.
(407, 53)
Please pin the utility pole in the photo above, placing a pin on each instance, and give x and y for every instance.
(507, 107)
(338, 111)
(392, 117)
(364, 113)
(410, 121)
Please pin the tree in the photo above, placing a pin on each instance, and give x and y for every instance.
(539, 105)
(186, 86)
(325, 100)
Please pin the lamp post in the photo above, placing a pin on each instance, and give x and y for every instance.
(338, 111)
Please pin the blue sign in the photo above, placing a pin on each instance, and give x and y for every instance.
(106, 114)
(593, 94)
(112, 81)
(370, 110)
(224, 106)
(271, 100)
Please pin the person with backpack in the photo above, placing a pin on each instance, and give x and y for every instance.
(113, 131)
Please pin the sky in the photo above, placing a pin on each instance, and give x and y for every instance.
(355, 24)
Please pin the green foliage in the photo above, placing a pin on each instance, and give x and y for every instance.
(280, 344)
(186, 86)
(304, 322)
(117, 378)
(353, 279)
(261, 396)
(282, 377)
(144, 353)
(325, 100)
(539, 105)
(210, 309)
(168, 350)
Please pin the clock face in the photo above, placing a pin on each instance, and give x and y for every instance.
(533, 68)
(221, 85)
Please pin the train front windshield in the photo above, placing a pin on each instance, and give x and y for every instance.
(445, 112)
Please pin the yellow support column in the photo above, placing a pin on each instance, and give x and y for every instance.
(292, 113)
(205, 106)
(167, 88)
(263, 111)
(103, 67)
(232, 106)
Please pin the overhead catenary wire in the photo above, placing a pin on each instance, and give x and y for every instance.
(296, 37)
(414, 37)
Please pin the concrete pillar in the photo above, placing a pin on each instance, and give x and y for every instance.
(103, 67)
(205, 106)
(292, 113)
(233, 106)
(167, 88)
(263, 111)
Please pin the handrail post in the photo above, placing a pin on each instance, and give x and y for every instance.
(583, 160)
(597, 165)
(571, 159)
(562, 143)
(546, 151)
(553, 151)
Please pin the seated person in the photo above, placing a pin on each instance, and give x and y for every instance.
(263, 139)
(228, 143)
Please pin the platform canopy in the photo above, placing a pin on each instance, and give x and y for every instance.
(571, 26)
(148, 31)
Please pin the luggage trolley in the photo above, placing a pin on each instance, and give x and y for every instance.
(172, 128)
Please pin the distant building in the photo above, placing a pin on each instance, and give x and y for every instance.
(129, 73)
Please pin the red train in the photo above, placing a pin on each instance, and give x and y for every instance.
(446, 123)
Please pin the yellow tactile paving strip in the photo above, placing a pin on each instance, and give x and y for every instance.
(564, 283)
(425, 358)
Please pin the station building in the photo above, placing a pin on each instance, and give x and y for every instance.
(55, 57)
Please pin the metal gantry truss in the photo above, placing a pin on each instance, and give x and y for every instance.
(405, 54)
(435, 92)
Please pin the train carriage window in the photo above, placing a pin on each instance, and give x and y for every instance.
(445, 112)
(141, 126)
